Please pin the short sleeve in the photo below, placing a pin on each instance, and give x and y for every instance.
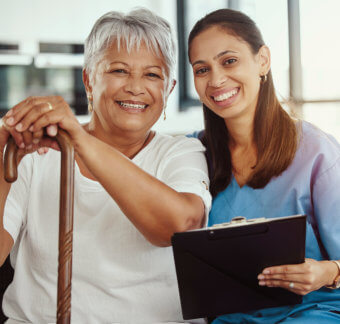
(186, 170)
(326, 203)
(16, 204)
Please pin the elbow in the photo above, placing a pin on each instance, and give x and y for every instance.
(182, 225)
(192, 221)
(160, 239)
(180, 222)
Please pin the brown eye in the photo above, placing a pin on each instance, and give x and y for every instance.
(154, 75)
(229, 61)
(201, 71)
(118, 71)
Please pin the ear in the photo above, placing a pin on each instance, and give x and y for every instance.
(264, 59)
(86, 80)
(173, 86)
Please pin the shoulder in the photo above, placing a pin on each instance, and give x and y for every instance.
(312, 135)
(316, 149)
(314, 142)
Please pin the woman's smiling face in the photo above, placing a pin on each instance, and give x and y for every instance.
(128, 89)
(226, 72)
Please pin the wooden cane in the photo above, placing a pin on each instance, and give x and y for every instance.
(65, 217)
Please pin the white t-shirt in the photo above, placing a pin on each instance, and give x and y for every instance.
(118, 276)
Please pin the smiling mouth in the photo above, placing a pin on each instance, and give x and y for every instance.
(129, 105)
(226, 95)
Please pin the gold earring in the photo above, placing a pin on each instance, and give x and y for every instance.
(164, 114)
(90, 103)
(263, 78)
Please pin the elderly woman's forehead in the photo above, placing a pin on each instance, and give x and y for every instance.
(123, 45)
(113, 47)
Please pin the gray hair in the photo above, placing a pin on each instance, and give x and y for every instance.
(139, 25)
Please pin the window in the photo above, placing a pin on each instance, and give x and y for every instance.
(320, 49)
(56, 70)
(188, 12)
(271, 18)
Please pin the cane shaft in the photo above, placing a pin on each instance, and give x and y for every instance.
(65, 228)
(65, 217)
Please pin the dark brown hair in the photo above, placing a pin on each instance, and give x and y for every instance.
(275, 133)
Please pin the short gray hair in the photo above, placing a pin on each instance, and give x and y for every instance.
(139, 25)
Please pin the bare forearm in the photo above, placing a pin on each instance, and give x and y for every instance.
(153, 207)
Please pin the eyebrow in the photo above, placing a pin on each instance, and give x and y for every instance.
(215, 57)
(146, 67)
(115, 62)
(153, 66)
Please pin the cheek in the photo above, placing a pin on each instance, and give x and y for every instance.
(254, 84)
(158, 92)
(199, 86)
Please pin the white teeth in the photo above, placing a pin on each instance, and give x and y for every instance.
(226, 95)
(133, 106)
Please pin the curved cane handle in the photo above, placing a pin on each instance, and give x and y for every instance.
(10, 161)
(65, 217)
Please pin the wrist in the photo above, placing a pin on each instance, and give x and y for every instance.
(81, 140)
(333, 274)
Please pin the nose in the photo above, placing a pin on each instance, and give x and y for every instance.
(217, 78)
(134, 85)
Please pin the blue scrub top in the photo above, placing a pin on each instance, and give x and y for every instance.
(310, 185)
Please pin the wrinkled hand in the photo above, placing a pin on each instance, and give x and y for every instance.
(31, 116)
(21, 139)
(299, 278)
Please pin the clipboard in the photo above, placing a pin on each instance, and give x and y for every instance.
(217, 267)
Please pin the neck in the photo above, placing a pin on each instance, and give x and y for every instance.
(241, 132)
(128, 143)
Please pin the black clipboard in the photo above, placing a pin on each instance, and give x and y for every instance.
(217, 267)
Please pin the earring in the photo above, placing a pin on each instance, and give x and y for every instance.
(164, 114)
(263, 78)
(90, 103)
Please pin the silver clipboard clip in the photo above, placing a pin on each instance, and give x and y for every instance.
(239, 221)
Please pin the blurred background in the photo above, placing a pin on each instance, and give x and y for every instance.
(41, 53)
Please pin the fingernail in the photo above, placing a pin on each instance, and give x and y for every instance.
(22, 145)
(260, 276)
(18, 127)
(53, 131)
(9, 113)
(266, 271)
(29, 147)
(35, 141)
(10, 121)
(31, 128)
(262, 283)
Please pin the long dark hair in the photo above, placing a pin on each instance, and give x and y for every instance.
(275, 133)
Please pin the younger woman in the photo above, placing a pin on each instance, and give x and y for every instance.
(264, 163)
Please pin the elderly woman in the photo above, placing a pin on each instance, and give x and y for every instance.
(133, 187)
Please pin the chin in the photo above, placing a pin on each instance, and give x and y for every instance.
(133, 126)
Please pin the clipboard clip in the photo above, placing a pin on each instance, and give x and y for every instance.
(239, 221)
